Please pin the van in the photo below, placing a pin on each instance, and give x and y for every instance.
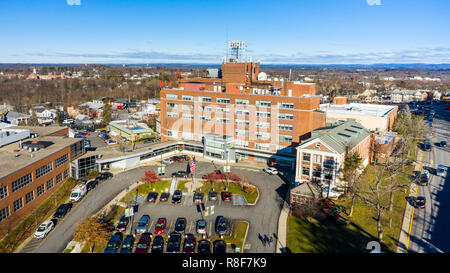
(77, 193)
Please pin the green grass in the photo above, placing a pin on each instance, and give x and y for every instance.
(182, 185)
(236, 237)
(232, 187)
(146, 188)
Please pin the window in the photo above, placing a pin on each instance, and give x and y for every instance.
(61, 160)
(223, 100)
(223, 110)
(242, 143)
(285, 127)
(172, 133)
(59, 178)
(66, 173)
(187, 98)
(242, 102)
(240, 112)
(188, 135)
(318, 145)
(188, 116)
(240, 132)
(317, 159)
(172, 115)
(205, 99)
(171, 97)
(76, 149)
(260, 124)
(223, 120)
(286, 105)
(22, 182)
(29, 197)
(242, 122)
(187, 107)
(305, 171)
(171, 105)
(50, 184)
(262, 146)
(262, 135)
(263, 114)
(307, 157)
(3, 192)
(40, 190)
(4, 213)
(18, 204)
(205, 118)
(284, 138)
(285, 116)
(44, 170)
(262, 103)
(205, 108)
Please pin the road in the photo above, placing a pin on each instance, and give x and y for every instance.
(429, 231)
(263, 217)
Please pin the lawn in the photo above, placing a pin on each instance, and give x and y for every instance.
(237, 236)
(146, 188)
(232, 187)
(182, 185)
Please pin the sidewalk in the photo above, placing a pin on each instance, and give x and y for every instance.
(407, 221)
(282, 228)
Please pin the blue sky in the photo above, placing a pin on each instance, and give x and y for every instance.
(286, 32)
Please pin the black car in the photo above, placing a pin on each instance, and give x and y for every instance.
(114, 243)
(152, 197)
(419, 202)
(219, 246)
(158, 245)
(180, 174)
(204, 246)
(443, 143)
(127, 245)
(221, 225)
(180, 225)
(174, 243)
(91, 185)
(176, 198)
(164, 197)
(424, 179)
(62, 210)
(212, 195)
(105, 176)
(198, 197)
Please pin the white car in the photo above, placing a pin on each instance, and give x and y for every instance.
(44, 229)
(167, 161)
(271, 170)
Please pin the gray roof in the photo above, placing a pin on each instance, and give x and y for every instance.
(307, 189)
(15, 115)
(340, 137)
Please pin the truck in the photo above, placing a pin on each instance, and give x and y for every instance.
(77, 193)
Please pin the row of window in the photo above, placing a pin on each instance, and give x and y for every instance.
(317, 159)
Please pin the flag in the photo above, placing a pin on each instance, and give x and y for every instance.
(193, 165)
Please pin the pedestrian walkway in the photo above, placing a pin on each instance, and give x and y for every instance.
(173, 185)
(282, 227)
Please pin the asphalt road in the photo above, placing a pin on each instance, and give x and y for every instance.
(263, 217)
(429, 231)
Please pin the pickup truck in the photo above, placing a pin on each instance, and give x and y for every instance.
(77, 193)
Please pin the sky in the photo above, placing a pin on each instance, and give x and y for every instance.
(197, 31)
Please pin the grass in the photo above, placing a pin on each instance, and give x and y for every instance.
(146, 188)
(237, 236)
(232, 187)
(182, 185)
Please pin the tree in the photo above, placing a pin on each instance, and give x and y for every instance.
(92, 232)
(351, 175)
(106, 113)
(150, 177)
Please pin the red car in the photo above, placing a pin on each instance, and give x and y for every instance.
(189, 244)
(160, 225)
(226, 196)
(123, 223)
(144, 243)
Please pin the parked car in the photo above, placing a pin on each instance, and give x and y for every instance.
(419, 202)
(127, 245)
(167, 161)
(62, 210)
(189, 243)
(226, 196)
(221, 225)
(44, 229)
(177, 196)
(271, 170)
(180, 174)
(160, 225)
(443, 143)
(104, 176)
(177, 158)
(78, 193)
(158, 245)
(91, 185)
(123, 223)
(440, 170)
(180, 225)
(144, 243)
(198, 197)
(212, 195)
(143, 223)
(114, 243)
(164, 197)
(204, 246)
(424, 179)
(200, 227)
(427, 145)
(174, 243)
(152, 197)
(219, 246)
(185, 157)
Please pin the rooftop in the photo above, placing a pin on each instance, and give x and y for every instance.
(358, 109)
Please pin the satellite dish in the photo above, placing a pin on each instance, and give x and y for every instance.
(262, 76)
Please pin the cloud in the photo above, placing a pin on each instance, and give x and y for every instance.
(373, 2)
(73, 2)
